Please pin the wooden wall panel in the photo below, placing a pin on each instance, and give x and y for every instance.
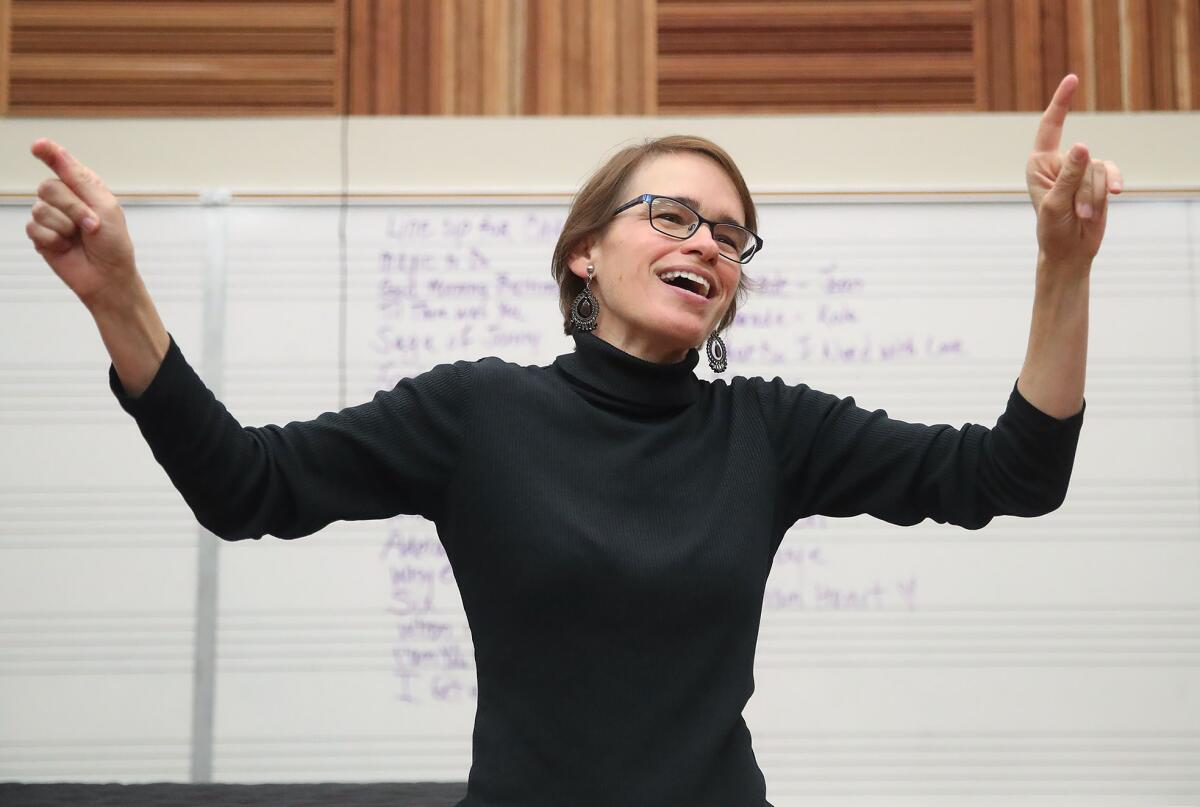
(731, 57)
(1081, 52)
(386, 37)
(1135, 53)
(1109, 67)
(602, 56)
(1054, 47)
(417, 46)
(118, 57)
(575, 59)
(545, 45)
(502, 57)
(496, 93)
(1162, 56)
(734, 56)
(997, 61)
(359, 61)
(591, 57)
(5, 38)
(1027, 62)
(467, 84)
(1129, 54)
(1187, 54)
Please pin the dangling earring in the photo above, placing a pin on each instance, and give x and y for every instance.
(585, 310)
(716, 353)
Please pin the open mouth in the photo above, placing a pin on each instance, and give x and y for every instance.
(688, 281)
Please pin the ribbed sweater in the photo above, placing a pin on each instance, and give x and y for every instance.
(610, 523)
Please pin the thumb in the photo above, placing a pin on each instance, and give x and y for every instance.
(1062, 195)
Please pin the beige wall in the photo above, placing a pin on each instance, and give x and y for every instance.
(794, 154)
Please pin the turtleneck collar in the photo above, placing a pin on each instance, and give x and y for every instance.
(624, 377)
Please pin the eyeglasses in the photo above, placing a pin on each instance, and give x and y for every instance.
(674, 218)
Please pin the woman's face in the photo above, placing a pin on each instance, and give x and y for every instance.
(639, 312)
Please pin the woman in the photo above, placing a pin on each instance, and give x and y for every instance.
(610, 519)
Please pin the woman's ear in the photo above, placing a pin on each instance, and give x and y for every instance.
(580, 256)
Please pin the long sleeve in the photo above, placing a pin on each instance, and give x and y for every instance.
(838, 459)
(394, 454)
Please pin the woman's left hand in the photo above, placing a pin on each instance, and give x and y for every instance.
(1069, 191)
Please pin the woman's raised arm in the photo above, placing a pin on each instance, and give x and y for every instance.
(78, 227)
(393, 454)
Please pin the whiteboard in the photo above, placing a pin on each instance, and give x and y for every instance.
(1054, 660)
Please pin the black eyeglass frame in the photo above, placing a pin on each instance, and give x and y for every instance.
(649, 198)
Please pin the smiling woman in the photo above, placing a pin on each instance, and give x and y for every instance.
(671, 209)
(610, 518)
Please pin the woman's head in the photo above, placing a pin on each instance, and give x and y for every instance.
(639, 312)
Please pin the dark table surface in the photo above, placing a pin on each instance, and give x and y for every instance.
(384, 794)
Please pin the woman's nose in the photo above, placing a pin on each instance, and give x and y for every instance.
(703, 242)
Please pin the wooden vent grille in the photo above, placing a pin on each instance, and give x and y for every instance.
(502, 57)
(778, 56)
(123, 57)
(591, 57)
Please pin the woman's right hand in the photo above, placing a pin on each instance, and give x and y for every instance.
(78, 227)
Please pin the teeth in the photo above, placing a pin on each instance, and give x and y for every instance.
(665, 276)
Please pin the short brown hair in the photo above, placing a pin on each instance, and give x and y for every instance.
(591, 210)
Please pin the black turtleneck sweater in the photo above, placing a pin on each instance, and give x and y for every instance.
(610, 523)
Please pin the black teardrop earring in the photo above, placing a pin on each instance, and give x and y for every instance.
(716, 353)
(585, 310)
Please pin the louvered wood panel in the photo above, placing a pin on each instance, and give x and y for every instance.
(1135, 51)
(359, 63)
(602, 56)
(576, 94)
(469, 95)
(823, 55)
(997, 61)
(1081, 54)
(981, 48)
(589, 57)
(496, 31)
(1187, 54)
(630, 59)
(1162, 56)
(544, 88)
(440, 69)
(122, 57)
(1129, 54)
(5, 38)
(727, 57)
(1054, 48)
(416, 80)
(500, 57)
(387, 41)
(1110, 90)
(1027, 49)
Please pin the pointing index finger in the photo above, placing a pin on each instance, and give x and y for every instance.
(1049, 133)
(74, 174)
